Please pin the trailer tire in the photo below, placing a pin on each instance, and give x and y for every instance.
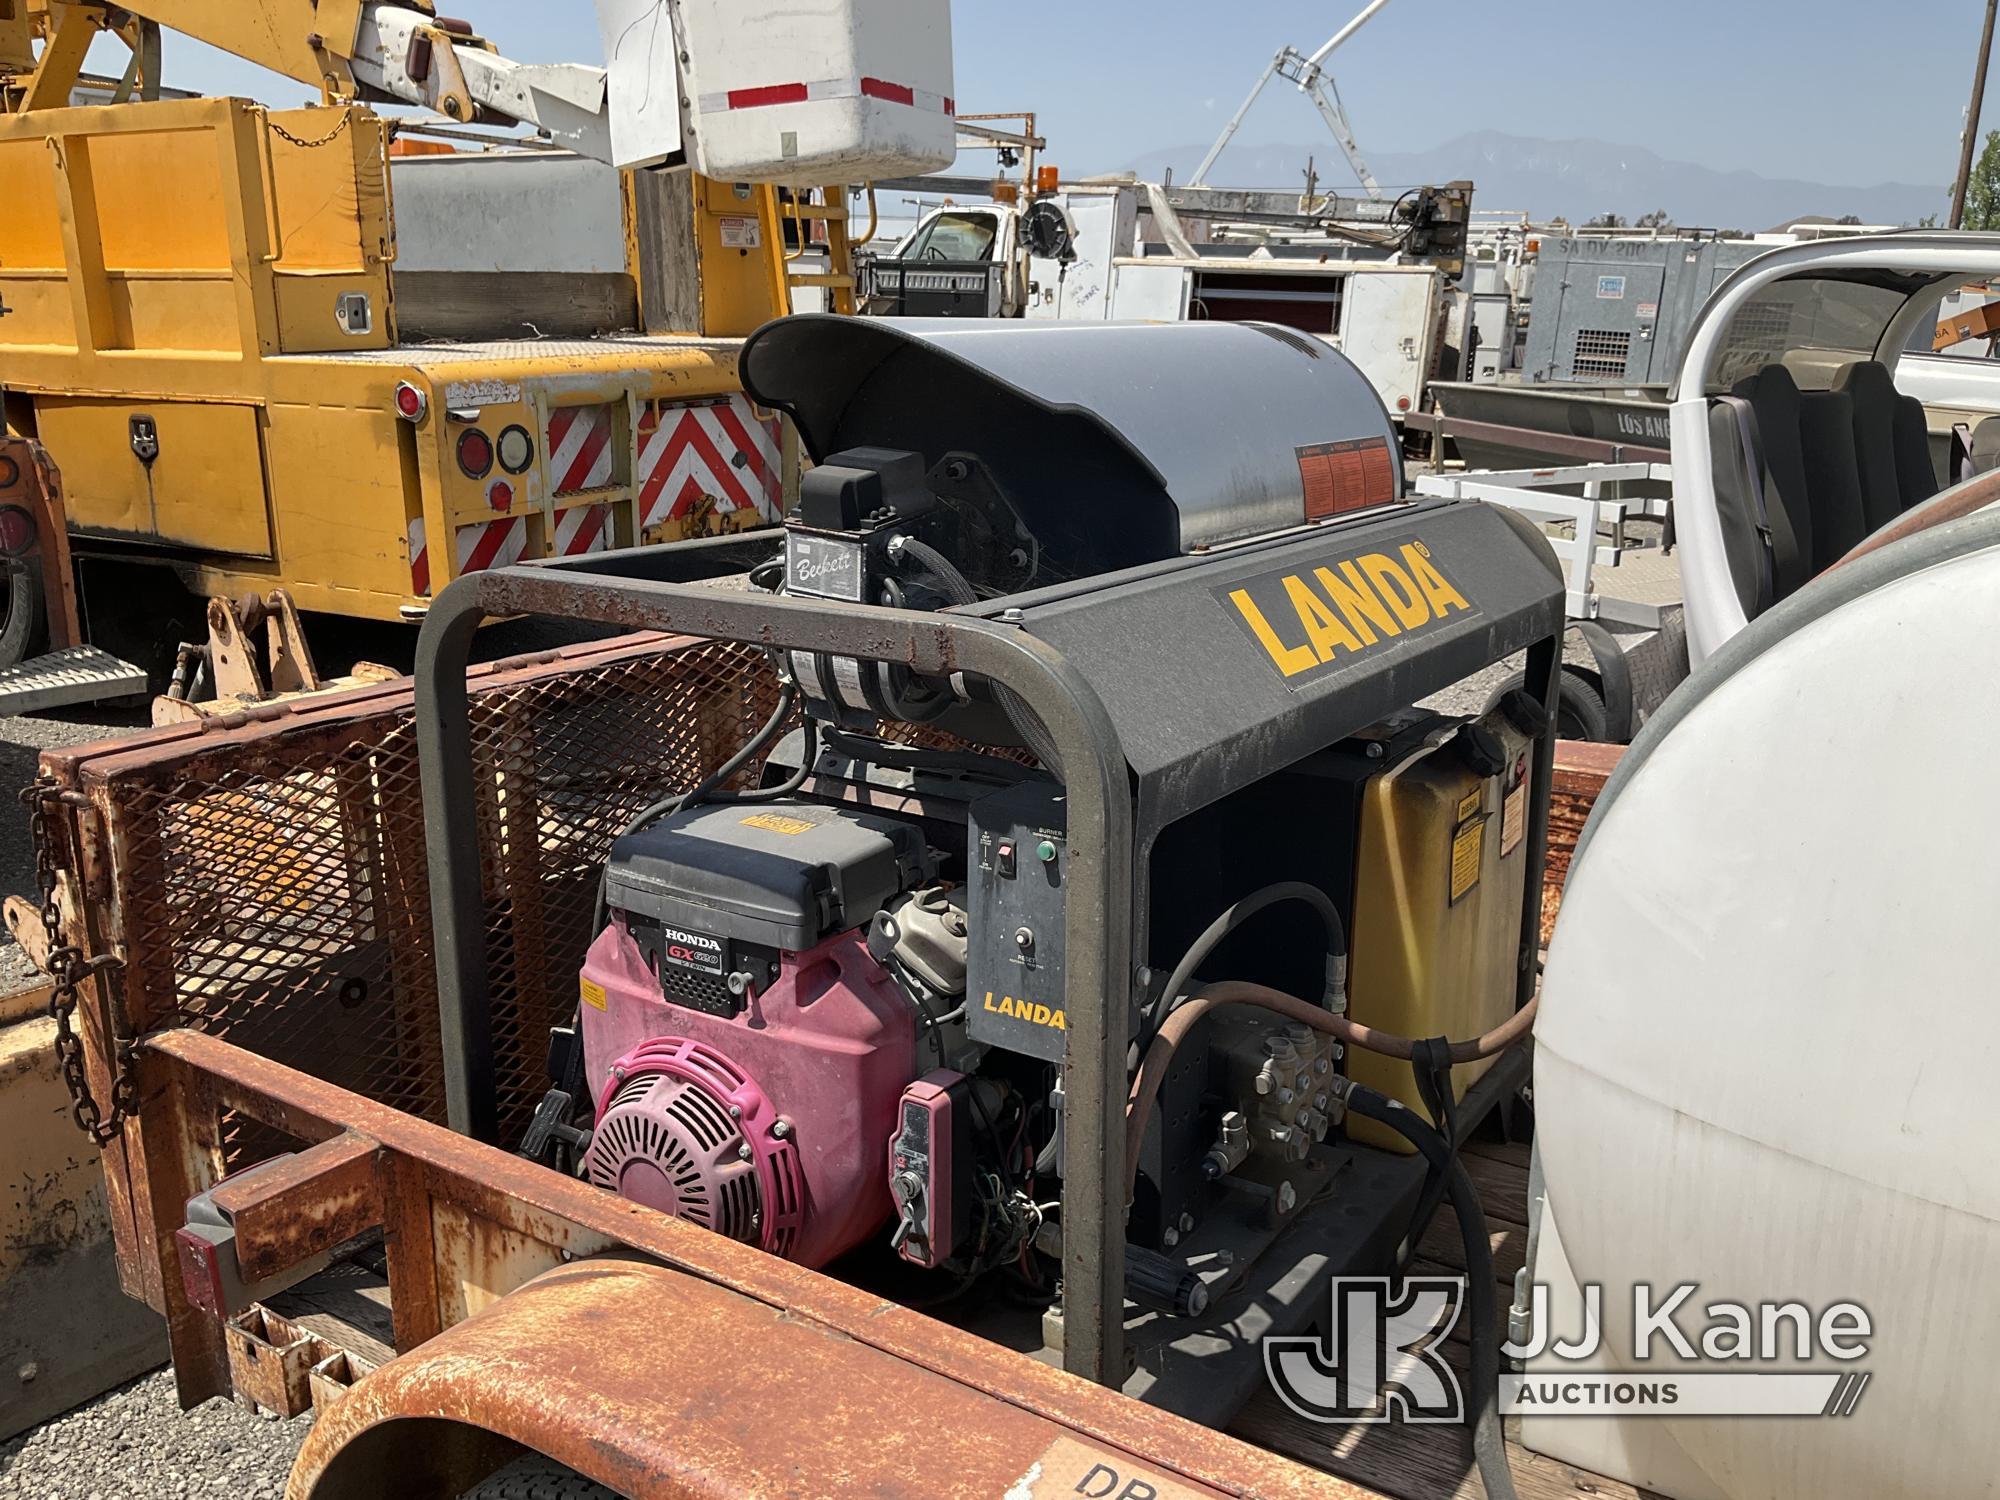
(538, 1478)
(24, 631)
(1580, 710)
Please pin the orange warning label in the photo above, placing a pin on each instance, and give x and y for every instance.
(1340, 477)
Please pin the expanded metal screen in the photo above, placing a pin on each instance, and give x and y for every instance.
(266, 881)
(1601, 353)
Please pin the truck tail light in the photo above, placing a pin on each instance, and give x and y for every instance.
(475, 453)
(411, 403)
(17, 530)
(517, 449)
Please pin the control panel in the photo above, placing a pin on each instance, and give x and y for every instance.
(933, 1121)
(1018, 864)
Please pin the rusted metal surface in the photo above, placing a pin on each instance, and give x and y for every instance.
(262, 875)
(802, 1409)
(270, 1361)
(820, 1388)
(30, 479)
(1581, 771)
(301, 1206)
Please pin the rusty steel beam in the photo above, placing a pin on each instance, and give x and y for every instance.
(296, 1207)
(1562, 444)
(1097, 910)
(856, 1394)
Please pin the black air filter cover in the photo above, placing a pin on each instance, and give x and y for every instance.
(783, 875)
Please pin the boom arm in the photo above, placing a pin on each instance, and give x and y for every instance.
(349, 49)
(1313, 82)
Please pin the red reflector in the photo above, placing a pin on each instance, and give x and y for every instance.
(17, 530)
(777, 93)
(475, 453)
(500, 494)
(411, 403)
(895, 93)
(1402, 403)
(201, 1271)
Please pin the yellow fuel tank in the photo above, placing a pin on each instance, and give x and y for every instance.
(1440, 879)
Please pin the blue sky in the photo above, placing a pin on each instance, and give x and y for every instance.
(1837, 91)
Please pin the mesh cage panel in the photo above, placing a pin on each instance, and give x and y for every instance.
(272, 889)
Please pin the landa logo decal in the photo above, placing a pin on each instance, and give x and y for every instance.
(1026, 1010)
(1308, 621)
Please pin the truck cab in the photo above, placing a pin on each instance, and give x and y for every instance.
(959, 262)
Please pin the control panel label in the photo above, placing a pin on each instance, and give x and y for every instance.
(1310, 622)
(1031, 1011)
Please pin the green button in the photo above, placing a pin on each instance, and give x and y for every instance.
(1045, 851)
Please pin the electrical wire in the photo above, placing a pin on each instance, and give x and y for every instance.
(958, 589)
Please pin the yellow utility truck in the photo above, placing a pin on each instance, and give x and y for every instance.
(242, 371)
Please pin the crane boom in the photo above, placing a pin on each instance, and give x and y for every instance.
(1313, 82)
(394, 50)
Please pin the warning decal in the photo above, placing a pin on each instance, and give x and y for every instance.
(1513, 820)
(777, 823)
(593, 994)
(1342, 477)
(1468, 846)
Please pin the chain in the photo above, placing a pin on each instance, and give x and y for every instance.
(326, 140)
(68, 965)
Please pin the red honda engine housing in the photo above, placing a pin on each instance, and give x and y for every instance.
(806, 1077)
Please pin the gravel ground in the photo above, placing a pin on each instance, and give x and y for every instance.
(136, 1442)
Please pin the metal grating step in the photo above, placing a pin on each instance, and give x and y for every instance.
(76, 674)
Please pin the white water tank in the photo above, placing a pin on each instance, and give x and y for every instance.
(1770, 1037)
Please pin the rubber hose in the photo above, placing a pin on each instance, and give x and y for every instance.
(1489, 1446)
(1238, 912)
(960, 592)
(1173, 1031)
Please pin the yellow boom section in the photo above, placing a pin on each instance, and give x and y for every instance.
(292, 37)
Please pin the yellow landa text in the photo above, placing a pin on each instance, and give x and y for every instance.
(1308, 620)
(1026, 1010)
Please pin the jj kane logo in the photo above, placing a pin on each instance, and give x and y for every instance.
(1383, 1359)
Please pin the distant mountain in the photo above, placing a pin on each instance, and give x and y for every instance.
(1575, 179)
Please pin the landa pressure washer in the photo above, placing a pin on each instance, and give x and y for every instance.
(1043, 974)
